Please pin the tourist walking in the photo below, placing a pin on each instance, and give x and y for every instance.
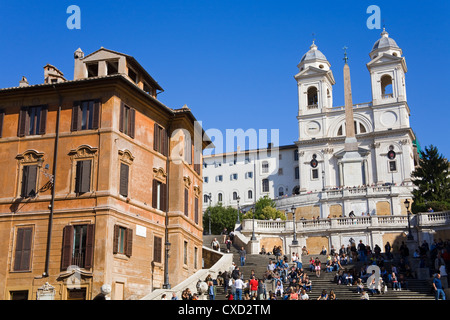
(253, 286)
(437, 286)
(211, 290)
(362, 251)
(224, 234)
(242, 255)
(261, 290)
(239, 285)
(387, 251)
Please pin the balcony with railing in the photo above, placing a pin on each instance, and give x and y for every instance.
(286, 201)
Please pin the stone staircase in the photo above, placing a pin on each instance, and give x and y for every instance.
(417, 289)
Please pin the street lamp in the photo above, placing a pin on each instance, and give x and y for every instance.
(209, 212)
(253, 238)
(166, 284)
(410, 236)
(294, 240)
(239, 210)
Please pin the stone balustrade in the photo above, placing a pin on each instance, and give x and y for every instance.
(286, 202)
(337, 224)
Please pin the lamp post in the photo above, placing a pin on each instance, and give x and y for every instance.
(238, 208)
(253, 238)
(209, 213)
(410, 236)
(294, 240)
(166, 284)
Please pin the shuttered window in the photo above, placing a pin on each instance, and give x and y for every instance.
(22, 253)
(124, 177)
(123, 240)
(29, 181)
(32, 120)
(86, 115)
(196, 208)
(159, 196)
(160, 143)
(157, 249)
(186, 202)
(83, 176)
(127, 118)
(78, 246)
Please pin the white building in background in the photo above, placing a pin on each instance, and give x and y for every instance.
(309, 175)
(250, 175)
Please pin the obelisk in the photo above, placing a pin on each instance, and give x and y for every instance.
(350, 139)
(352, 162)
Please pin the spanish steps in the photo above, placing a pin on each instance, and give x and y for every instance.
(417, 289)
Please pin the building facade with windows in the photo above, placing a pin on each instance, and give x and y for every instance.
(314, 182)
(250, 175)
(90, 195)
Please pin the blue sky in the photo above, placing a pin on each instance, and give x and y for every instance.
(233, 62)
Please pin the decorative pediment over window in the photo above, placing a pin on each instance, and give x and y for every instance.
(159, 174)
(197, 191)
(30, 156)
(126, 156)
(187, 181)
(74, 276)
(83, 151)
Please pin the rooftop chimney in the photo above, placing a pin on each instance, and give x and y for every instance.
(53, 75)
(79, 67)
(23, 82)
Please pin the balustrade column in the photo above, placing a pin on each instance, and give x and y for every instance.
(374, 221)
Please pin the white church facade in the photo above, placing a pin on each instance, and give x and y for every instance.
(317, 174)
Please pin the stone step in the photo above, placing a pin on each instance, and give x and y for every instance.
(417, 289)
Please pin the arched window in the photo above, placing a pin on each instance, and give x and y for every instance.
(386, 86)
(296, 190)
(280, 191)
(205, 198)
(312, 97)
(220, 197)
(250, 194)
(235, 195)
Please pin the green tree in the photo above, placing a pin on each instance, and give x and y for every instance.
(221, 217)
(265, 210)
(432, 181)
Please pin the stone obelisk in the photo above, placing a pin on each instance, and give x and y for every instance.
(352, 162)
(350, 138)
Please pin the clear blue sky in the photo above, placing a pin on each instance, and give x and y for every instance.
(232, 62)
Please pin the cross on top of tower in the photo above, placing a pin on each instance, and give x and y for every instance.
(345, 54)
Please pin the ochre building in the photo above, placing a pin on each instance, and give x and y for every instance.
(98, 179)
